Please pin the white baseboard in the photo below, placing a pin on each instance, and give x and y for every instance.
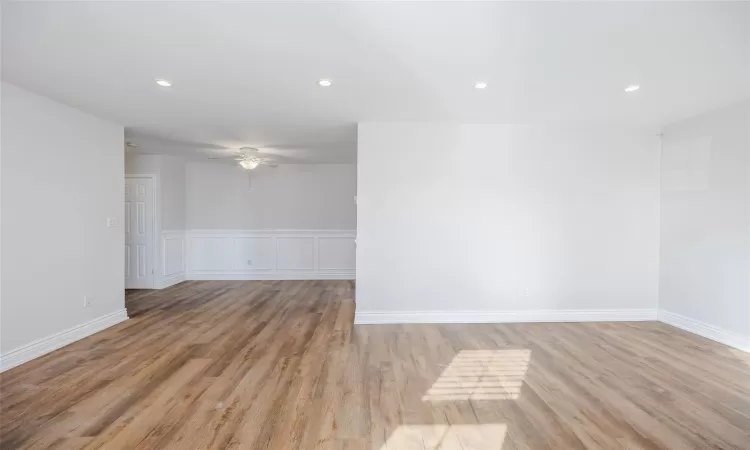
(58, 340)
(608, 315)
(273, 276)
(707, 331)
(169, 281)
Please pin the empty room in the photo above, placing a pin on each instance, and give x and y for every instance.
(394, 225)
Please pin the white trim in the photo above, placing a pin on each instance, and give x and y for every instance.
(50, 343)
(703, 329)
(288, 275)
(607, 315)
(169, 281)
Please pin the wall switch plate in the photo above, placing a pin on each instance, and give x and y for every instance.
(249, 262)
(111, 222)
(86, 301)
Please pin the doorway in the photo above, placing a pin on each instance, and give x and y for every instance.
(138, 224)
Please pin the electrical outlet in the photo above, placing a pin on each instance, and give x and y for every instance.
(249, 262)
(86, 301)
(111, 222)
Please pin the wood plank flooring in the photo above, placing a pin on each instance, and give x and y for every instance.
(279, 365)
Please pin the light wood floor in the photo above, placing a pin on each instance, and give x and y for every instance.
(279, 365)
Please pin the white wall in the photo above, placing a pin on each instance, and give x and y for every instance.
(309, 196)
(291, 222)
(142, 164)
(506, 218)
(61, 178)
(705, 221)
(173, 191)
(171, 171)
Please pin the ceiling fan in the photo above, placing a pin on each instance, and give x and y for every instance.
(249, 158)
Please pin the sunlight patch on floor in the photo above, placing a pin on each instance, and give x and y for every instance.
(447, 437)
(481, 375)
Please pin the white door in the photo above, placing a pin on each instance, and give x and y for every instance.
(139, 233)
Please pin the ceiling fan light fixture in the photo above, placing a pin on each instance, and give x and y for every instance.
(249, 164)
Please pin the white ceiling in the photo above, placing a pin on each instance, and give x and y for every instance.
(245, 74)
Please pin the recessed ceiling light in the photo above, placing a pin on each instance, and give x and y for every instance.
(163, 83)
(480, 85)
(324, 82)
(632, 87)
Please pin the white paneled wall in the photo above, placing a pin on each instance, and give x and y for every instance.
(270, 254)
(172, 259)
(336, 253)
(292, 222)
(258, 253)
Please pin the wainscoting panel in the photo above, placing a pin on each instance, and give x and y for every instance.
(173, 255)
(295, 253)
(210, 254)
(270, 254)
(171, 265)
(254, 253)
(336, 254)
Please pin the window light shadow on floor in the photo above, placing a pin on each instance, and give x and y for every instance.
(447, 437)
(481, 375)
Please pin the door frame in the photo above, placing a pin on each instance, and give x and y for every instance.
(155, 213)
